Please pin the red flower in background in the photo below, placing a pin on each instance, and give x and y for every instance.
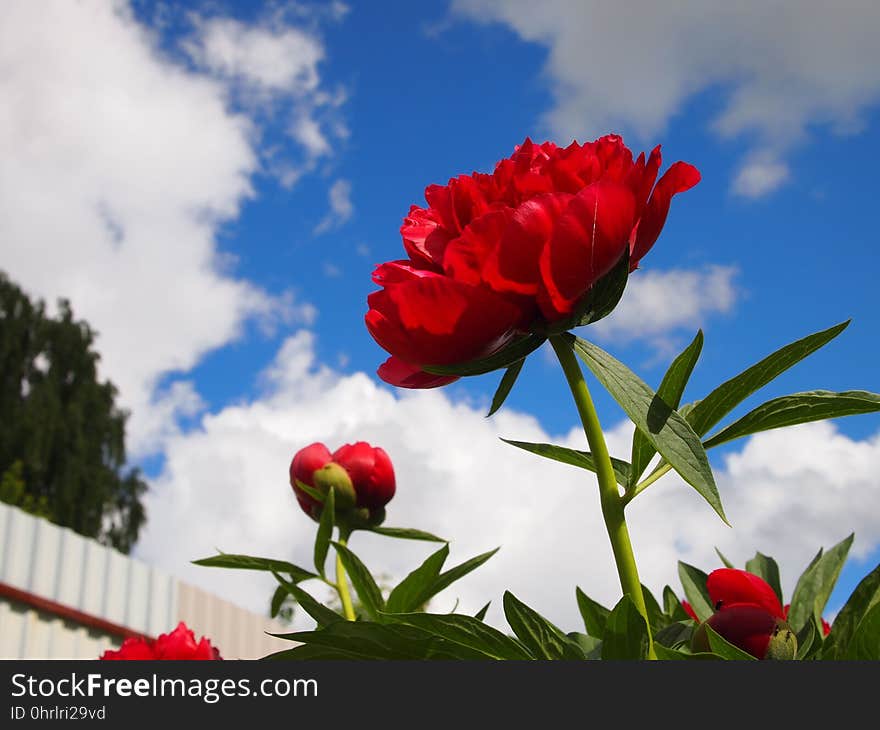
(748, 614)
(495, 255)
(688, 609)
(362, 476)
(179, 644)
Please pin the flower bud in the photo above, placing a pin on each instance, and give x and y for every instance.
(332, 476)
(783, 643)
(302, 469)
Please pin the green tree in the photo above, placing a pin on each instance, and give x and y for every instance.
(62, 437)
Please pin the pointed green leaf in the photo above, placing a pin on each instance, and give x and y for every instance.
(727, 396)
(865, 642)
(481, 614)
(325, 531)
(656, 618)
(249, 562)
(595, 615)
(538, 635)
(362, 580)
(672, 606)
(449, 577)
(505, 386)
(676, 635)
(815, 585)
(861, 600)
(590, 645)
(668, 432)
(724, 649)
(582, 459)
(508, 356)
(467, 631)
(790, 410)
(277, 600)
(693, 580)
(313, 492)
(406, 533)
(671, 390)
(765, 567)
(413, 590)
(725, 561)
(311, 652)
(626, 633)
(805, 638)
(323, 615)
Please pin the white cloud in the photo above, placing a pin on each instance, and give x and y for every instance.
(341, 207)
(760, 177)
(118, 169)
(225, 486)
(632, 66)
(656, 303)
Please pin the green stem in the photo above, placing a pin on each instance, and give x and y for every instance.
(609, 495)
(341, 582)
(647, 482)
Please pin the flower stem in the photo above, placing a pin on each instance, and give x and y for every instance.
(609, 494)
(647, 482)
(341, 582)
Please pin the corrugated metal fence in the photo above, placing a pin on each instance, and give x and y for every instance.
(66, 596)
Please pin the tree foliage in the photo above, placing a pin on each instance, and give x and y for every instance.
(62, 437)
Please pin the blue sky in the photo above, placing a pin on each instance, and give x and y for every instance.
(305, 133)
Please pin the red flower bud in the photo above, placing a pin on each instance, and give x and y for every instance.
(361, 475)
(494, 256)
(179, 644)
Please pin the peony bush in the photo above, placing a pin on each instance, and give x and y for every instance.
(495, 265)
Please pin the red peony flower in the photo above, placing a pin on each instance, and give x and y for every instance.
(748, 614)
(179, 644)
(361, 475)
(495, 256)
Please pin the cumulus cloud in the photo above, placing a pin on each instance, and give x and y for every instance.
(781, 67)
(341, 207)
(225, 486)
(657, 303)
(117, 176)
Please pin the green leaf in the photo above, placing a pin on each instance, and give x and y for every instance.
(727, 396)
(626, 633)
(816, 583)
(693, 580)
(362, 580)
(671, 390)
(308, 652)
(590, 645)
(449, 577)
(323, 615)
(765, 567)
(277, 599)
(314, 493)
(675, 635)
(414, 590)
(595, 615)
(467, 631)
(581, 459)
(406, 533)
(725, 561)
(508, 356)
(505, 386)
(865, 642)
(672, 605)
(249, 562)
(538, 635)
(724, 649)
(861, 600)
(665, 429)
(656, 618)
(789, 410)
(805, 638)
(369, 640)
(481, 614)
(325, 531)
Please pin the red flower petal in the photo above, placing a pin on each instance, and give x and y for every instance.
(423, 238)
(465, 256)
(514, 264)
(370, 471)
(435, 320)
(589, 239)
(397, 372)
(678, 178)
(731, 586)
(747, 626)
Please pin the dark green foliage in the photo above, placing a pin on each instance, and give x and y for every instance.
(62, 426)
